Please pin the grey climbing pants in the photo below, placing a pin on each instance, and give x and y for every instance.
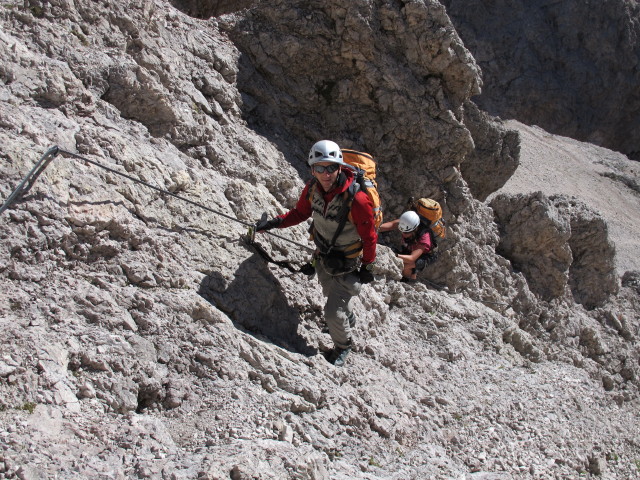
(339, 290)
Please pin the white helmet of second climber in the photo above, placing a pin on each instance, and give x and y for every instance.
(409, 221)
(325, 151)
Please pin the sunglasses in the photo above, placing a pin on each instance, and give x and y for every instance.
(328, 168)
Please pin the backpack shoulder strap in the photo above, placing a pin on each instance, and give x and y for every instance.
(359, 176)
(344, 212)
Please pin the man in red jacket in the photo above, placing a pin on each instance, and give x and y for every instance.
(345, 236)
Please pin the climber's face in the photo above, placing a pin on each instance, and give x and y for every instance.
(326, 174)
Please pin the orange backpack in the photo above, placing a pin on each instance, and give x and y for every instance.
(430, 213)
(365, 175)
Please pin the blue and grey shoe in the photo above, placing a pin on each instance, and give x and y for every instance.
(338, 356)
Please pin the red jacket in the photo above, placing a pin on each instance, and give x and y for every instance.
(361, 213)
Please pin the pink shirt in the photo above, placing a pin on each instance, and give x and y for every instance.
(424, 243)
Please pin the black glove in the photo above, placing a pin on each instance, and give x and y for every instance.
(263, 225)
(366, 276)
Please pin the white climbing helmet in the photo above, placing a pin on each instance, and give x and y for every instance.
(325, 151)
(409, 221)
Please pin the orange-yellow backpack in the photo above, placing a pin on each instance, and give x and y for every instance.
(365, 175)
(430, 213)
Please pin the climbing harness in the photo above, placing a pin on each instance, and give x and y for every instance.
(25, 185)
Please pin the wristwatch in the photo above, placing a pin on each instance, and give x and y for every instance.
(368, 267)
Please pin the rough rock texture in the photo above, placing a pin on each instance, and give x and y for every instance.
(141, 337)
(534, 235)
(591, 278)
(206, 9)
(631, 279)
(373, 61)
(557, 243)
(570, 67)
(607, 181)
(495, 156)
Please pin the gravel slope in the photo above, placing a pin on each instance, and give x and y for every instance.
(605, 180)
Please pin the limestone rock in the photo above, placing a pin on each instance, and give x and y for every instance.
(574, 63)
(534, 235)
(495, 156)
(591, 277)
(143, 336)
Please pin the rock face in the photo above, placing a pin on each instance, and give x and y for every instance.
(607, 181)
(535, 237)
(557, 244)
(374, 60)
(205, 9)
(142, 336)
(495, 156)
(569, 67)
(590, 276)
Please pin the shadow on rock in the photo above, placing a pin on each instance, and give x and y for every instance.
(254, 301)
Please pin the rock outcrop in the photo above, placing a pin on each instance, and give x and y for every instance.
(495, 156)
(350, 79)
(591, 278)
(558, 244)
(569, 67)
(535, 237)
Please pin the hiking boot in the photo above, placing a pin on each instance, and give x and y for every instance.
(352, 319)
(338, 356)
